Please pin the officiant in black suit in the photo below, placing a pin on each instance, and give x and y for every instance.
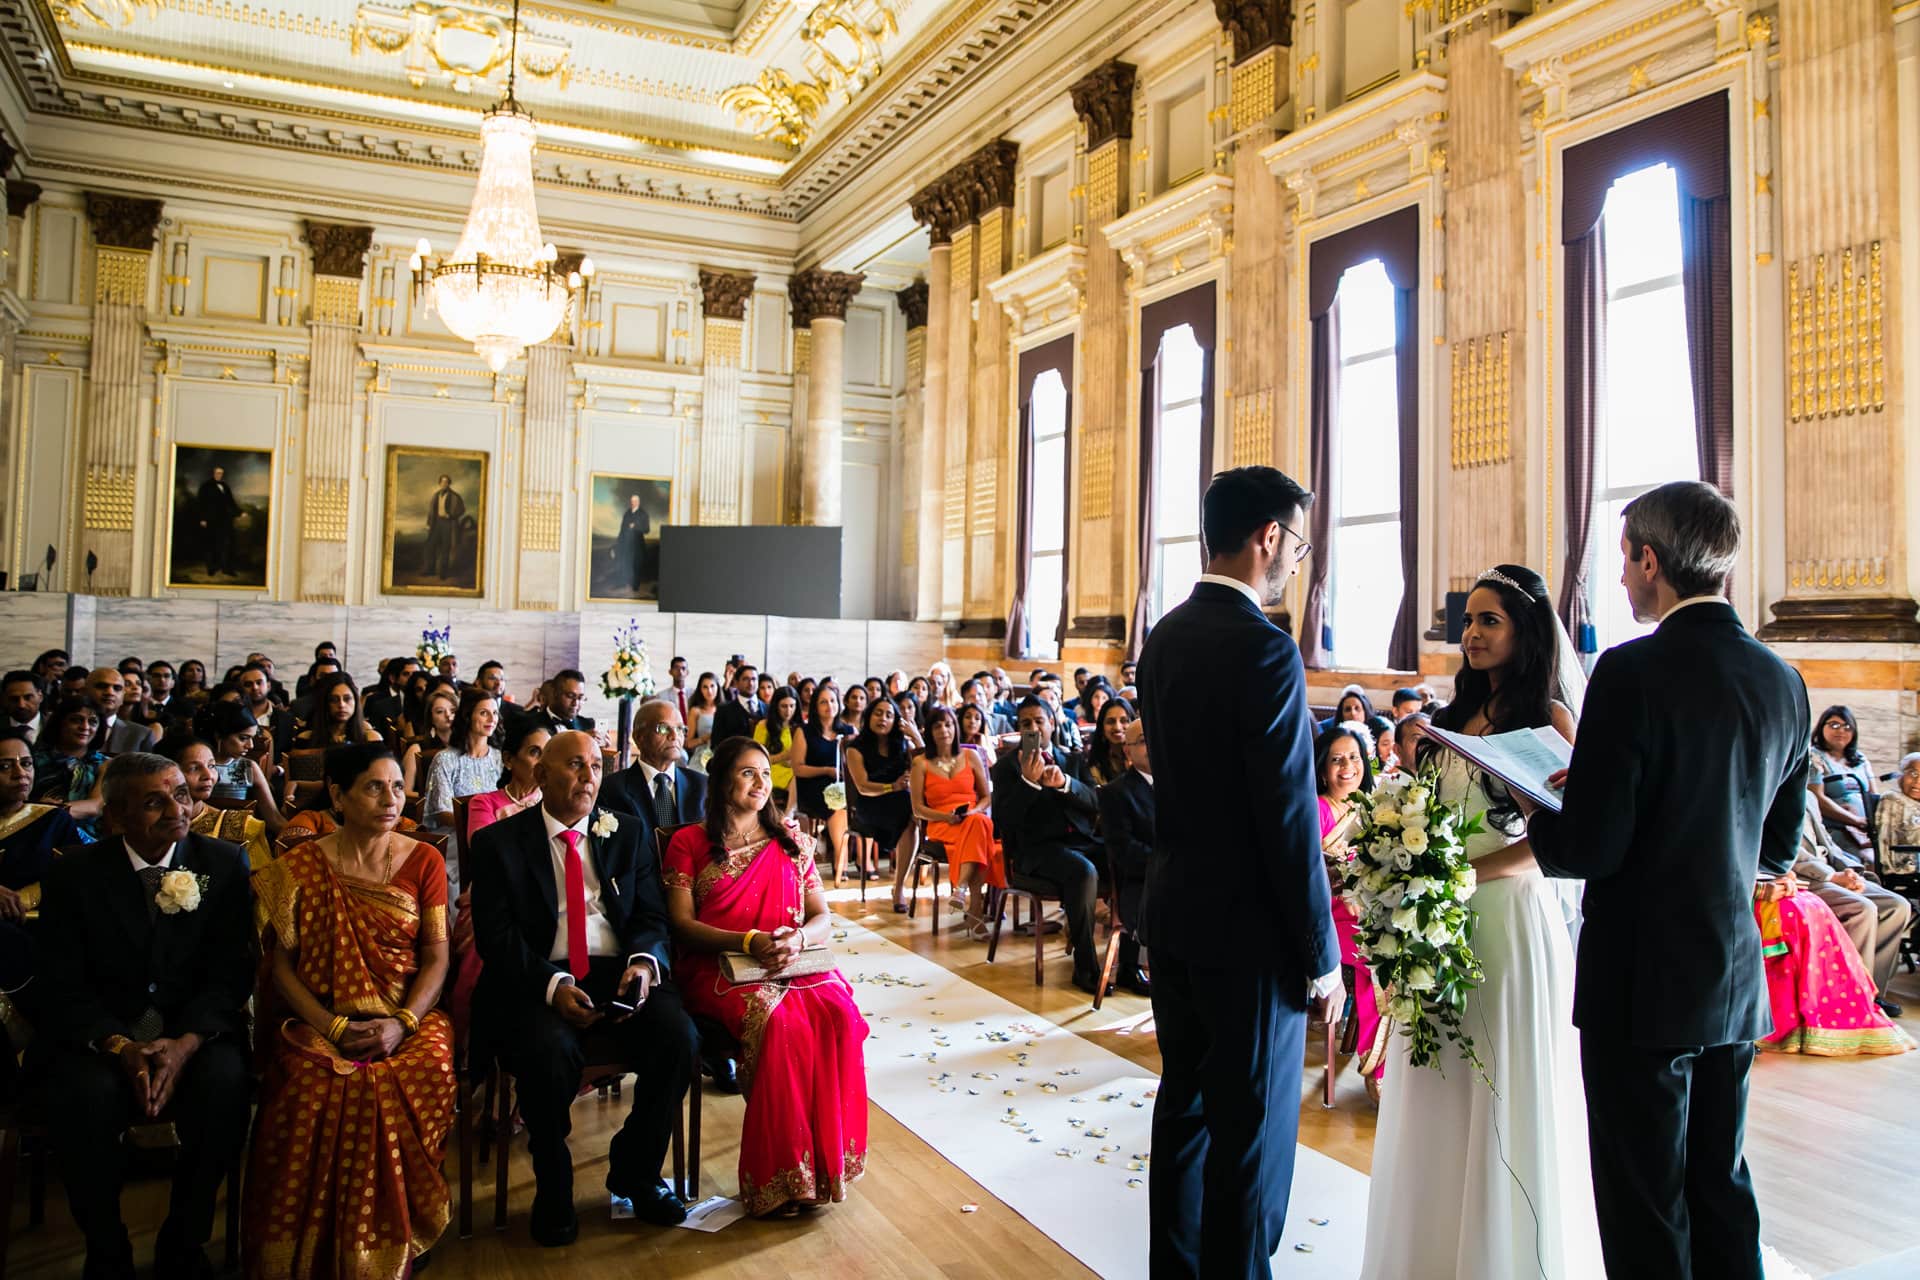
(569, 916)
(1670, 992)
(143, 983)
(1237, 912)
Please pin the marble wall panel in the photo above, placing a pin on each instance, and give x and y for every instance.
(816, 647)
(287, 633)
(174, 629)
(595, 631)
(911, 647)
(374, 635)
(518, 640)
(707, 640)
(82, 619)
(32, 622)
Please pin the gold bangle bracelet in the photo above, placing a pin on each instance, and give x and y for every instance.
(112, 1045)
(746, 940)
(408, 1019)
(337, 1028)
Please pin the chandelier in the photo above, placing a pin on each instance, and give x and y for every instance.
(499, 290)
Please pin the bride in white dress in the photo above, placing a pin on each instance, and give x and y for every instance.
(1495, 1184)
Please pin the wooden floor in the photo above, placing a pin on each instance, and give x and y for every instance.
(1834, 1145)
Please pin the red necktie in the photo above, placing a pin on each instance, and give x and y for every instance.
(683, 703)
(576, 908)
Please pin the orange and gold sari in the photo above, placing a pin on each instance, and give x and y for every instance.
(344, 1178)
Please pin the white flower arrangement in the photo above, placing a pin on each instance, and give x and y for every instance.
(180, 891)
(702, 756)
(630, 676)
(836, 796)
(1408, 879)
(435, 644)
(604, 824)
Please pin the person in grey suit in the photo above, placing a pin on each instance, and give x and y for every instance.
(116, 736)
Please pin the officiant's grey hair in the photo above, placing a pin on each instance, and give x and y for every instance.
(122, 770)
(1692, 528)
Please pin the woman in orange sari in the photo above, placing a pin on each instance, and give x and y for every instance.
(744, 882)
(358, 1096)
(950, 793)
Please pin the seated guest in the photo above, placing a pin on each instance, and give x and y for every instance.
(1875, 918)
(191, 688)
(1842, 780)
(1066, 732)
(775, 733)
(980, 693)
(569, 917)
(853, 711)
(1408, 733)
(1821, 994)
(29, 834)
(336, 720)
(739, 709)
(21, 694)
(1094, 695)
(276, 722)
(1343, 766)
(146, 957)
(303, 701)
(1073, 706)
(470, 765)
(235, 826)
(162, 708)
(912, 721)
(896, 683)
(1353, 705)
(492, 678)
(922, 690)
(763, 690)
(803, 1065)
(877, 771)
(67, 767)
(974, 735)
(520, 789)
(1405, 703)
(356, 949)
(951, 793)
(876, 688)
(384, 704)
(1128, 671)
(442, 709)
(237, 777)
(940, 685)
(50, 668)
(73, 684)
(1896, 827)
(657, 787)
(415, 721)
(703, 704)
(1107, 753)
(1126, 829)
(814, 758)
(115, 735)
(1044, 814)
(804, 690)
(1386, 758)
(560, 709)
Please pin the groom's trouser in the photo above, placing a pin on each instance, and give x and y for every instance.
(1225, 1119)
(1669, 1182)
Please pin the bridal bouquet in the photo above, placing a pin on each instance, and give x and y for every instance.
(1408, 880)
(435, 644)
(629, 676)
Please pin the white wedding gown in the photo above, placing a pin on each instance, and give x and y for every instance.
(1479, 1184)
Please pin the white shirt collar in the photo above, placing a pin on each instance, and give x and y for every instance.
(648, 772)
(141, 864)
(1221, 580)
(1689, 602)
(555, 826)
(1144, 774)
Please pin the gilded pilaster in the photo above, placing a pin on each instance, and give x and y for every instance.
(339, 263)
(929, 478)
(913, 444)
(123, 234)
(724, 300)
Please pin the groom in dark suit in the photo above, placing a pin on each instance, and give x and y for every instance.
(1670, 993)
(569, 917)
(146, 963)
(1237, 912)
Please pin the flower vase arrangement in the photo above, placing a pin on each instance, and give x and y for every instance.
(627, 678)
(1408, 880)
(435, 644)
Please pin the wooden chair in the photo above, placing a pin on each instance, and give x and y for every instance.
(1036, 893)
(1117, 928)
(931, 854)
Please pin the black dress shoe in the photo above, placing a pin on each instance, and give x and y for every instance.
(555, 1225)
(1137, 982)
(726, 1075)
(655, 1204)
(1889, 1008)
(1089, 983)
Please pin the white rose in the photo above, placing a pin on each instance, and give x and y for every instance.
(1416, 797)
(1388, 818)
(1464, 884)
(1438, 934)
(1415, 821)
(1393, 895)
(1416, 842)
(179, 891)
(1420, 978)
(1406, 918)
(1420, 887)
(1387, 946)
(1402, 859)
(1403, 1008)
(605, 825)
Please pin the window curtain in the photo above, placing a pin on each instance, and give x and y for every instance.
(1693, 139)
(1057, 356)
(1196, 309)
(1394, 239)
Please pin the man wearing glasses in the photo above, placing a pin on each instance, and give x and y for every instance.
(657, 787)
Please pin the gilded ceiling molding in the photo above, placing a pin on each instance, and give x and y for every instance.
(822, 295)
(339, 248)
(842, 39)
(21, 196)
(1255, 25)
(123, 222)
(913, 304)
(1103, 99)
(724, 294)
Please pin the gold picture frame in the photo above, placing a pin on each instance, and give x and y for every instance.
(421, 553)
(612, 575)
(240, 556)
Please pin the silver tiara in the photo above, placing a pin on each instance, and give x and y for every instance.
(1494, 575)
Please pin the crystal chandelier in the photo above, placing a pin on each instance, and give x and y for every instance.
(499, 289)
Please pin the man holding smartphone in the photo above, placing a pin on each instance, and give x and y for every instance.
(1044, 812)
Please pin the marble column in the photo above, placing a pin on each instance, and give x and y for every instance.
(1847, 443)
(991, 431)
(724, 297)
(959, 396)
(936, 208)
(339, 263)
(913, 444)
(13, 313)
(819, 299)
(123, 235)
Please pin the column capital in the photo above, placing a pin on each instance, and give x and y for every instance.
(1103, 99)
(123, 222)
(339, 248)
(21, 196)
(913, 304)
(981, 182)
(822, 295)
(724, 294)
(1255, 24)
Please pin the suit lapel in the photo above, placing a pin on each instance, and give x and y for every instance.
(539, 860)
(128, 896)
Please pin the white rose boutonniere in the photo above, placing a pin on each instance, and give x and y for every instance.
(604, 824)
(180, 891)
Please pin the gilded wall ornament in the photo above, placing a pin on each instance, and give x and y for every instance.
(1103, 99)
(822, 295)
(1255, 24)
(724, 294)
(339, 248)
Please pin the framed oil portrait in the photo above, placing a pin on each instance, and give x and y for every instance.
(434, 537)
(221, 533)
(623, 526)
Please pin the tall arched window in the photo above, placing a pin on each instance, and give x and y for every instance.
(1036, 620)
(1176, 463)
(1366, 524)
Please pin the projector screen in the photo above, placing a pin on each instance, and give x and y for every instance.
(789, 570)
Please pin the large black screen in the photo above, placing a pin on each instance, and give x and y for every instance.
(789, 570)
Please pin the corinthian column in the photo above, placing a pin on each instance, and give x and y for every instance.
(339, 262)
(819, 300)
(913, 446)
(934, 208)
(724, 296)
(123, 236)
(1847, 449)
(990, 436)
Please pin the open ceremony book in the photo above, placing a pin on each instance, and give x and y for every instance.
(1523, 759)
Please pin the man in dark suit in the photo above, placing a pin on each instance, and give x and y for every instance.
(657, 786)
(737, 714)
(560, 710)
(1066, 729)
(1126, 828)
(630, 549)
(384, 703)
(445, 510)
(107, 689)
(1670, 993)
(146, 962)
(217, 509)
(569, 918)
(1044, 812)
(1237, 912)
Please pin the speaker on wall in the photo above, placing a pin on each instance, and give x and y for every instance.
(1456, 616)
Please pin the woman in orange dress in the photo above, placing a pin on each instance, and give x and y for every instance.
(951, 794)
(358, 1096)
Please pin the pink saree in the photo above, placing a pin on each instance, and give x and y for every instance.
(1366, 1012)
(1821, 993)
(803, 1065)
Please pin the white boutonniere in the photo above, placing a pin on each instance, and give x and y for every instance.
(604, 824)
(180, 891)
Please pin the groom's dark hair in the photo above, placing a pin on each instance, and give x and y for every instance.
(1241, 502)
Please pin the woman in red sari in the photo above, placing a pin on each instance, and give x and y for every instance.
(1821, 993)
(344, 1179)
(743, 881)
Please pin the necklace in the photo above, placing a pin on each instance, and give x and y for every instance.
(520, 796)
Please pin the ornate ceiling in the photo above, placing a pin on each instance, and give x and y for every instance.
(753, 104)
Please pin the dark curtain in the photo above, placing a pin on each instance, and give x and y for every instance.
(1403, 648)
(1058, 357)
(1706, 278)
(1586, 260)
(1316, 619)
(1149, 437)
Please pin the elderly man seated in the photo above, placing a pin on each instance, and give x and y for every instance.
(1874, 917)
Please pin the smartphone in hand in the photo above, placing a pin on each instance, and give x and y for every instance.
(959, 813)
(1030, 742)
(620, 1008)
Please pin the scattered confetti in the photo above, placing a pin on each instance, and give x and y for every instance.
(969, 1208)
(1303, 1248)
(1134, 1184)
(1318, 1222)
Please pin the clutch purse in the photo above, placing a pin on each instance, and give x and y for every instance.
(739, 968)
